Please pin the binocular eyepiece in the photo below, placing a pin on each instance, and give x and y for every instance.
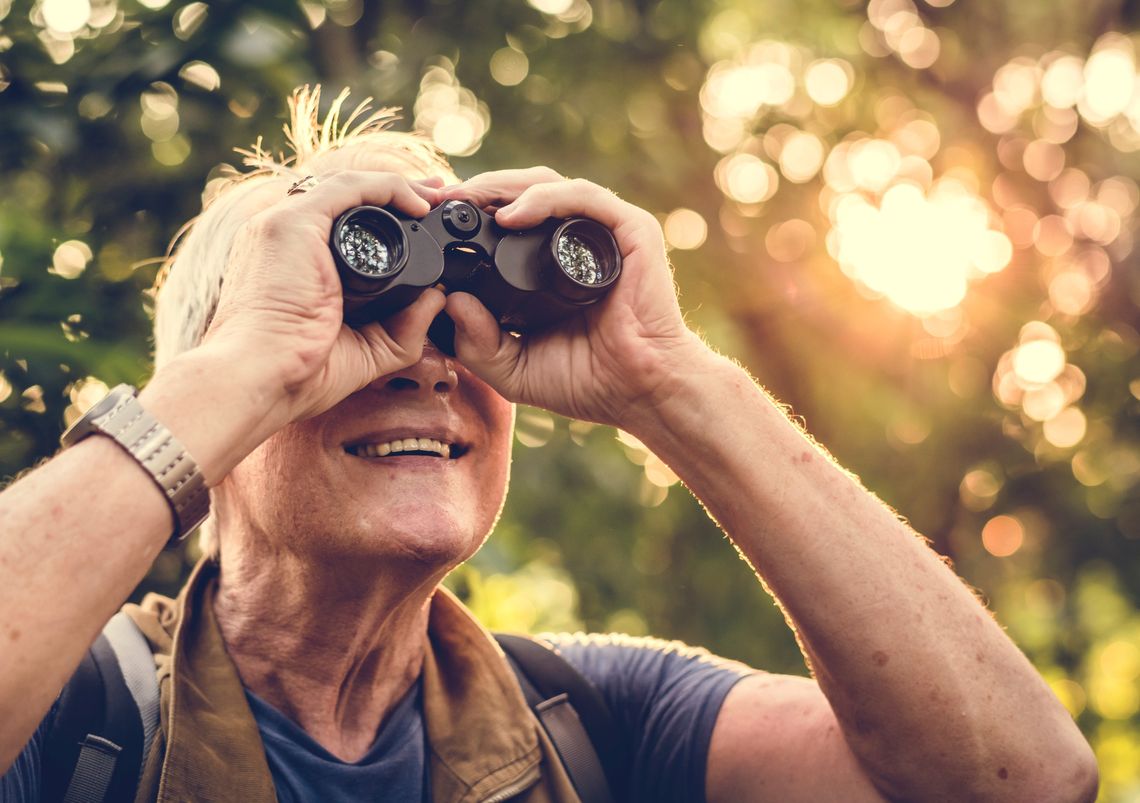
(527, 278)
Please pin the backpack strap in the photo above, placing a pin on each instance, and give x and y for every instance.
(105, 720)
(575, 717)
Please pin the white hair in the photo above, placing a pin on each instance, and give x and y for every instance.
(190, 280)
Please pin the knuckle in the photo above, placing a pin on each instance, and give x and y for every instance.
(333, 177)
(646, 218)
(535, 193)
(547, 173)
(268, 224)
(591, 191)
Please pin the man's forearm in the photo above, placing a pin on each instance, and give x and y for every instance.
(932, 696)
(78, 533)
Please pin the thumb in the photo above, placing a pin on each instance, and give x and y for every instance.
(398, 341)
(493, 355)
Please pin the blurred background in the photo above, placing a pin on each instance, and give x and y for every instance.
(912, 220)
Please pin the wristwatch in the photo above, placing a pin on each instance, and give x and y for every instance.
(120, 416)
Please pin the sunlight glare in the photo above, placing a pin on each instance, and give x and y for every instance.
(920, 251)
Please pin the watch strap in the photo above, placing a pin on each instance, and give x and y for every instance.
(161, 454)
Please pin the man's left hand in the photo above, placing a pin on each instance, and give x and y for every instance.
(619, 355)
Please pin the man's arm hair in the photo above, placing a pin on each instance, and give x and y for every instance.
(78, 532)
(926, 691)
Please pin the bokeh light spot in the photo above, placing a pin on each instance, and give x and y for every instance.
(455, 119)
(1043, 160)
(801, 156)
(70, 259)
(1003, 535)
(66, 16)
(790, 240)
(1052, 235)
(1062, 82)
(746, 178)
(83, 395)
(1067, 428)
(1038, 362)
(551, 7)
(1043, 403)
(201, 75)
(1071, 292)
(827, 81)
(509, 66)
(919, 47)
(1110, 78)
(979, 488)
(685, 229)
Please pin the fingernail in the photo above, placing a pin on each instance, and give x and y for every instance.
(507, 210)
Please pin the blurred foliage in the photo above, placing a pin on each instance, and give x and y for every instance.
(914, 223)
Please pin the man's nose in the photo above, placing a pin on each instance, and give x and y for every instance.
(435, 371)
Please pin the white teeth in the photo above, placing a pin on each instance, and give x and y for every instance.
(399, 445)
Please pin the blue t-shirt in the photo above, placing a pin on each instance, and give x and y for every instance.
(393, 768)
(664, 697)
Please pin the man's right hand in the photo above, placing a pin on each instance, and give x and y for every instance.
(280, 315)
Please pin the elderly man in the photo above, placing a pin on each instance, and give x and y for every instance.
(313, 653)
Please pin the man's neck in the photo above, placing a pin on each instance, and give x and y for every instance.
(334, 648)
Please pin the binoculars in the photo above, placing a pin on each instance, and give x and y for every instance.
(527, 278)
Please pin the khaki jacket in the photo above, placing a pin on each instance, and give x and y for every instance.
(484, 744)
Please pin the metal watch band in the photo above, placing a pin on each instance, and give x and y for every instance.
(161, 454)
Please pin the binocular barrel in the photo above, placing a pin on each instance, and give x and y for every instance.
(528, 278)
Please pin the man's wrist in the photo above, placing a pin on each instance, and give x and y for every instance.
(694, 376)
(220, 408)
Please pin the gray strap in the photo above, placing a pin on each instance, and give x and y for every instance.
(93, 771)
(574, 746)
(136, 662)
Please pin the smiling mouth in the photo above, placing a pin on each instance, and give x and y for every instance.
(407, 447)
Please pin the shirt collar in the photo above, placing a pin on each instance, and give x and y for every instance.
(481, 734)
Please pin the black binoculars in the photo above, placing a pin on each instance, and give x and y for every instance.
(527, 278)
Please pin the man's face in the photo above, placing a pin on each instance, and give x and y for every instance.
(350, 483)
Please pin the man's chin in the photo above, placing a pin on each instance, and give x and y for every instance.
(420, 550)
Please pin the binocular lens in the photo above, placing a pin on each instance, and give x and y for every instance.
(578, 260)
(586, 253)
(367, 251)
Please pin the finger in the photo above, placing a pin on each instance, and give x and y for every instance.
(500, 186)
(408, 327)
(490, 353)
(348, 188)
(435, 182)
(395, 343)
(576, 197)
(429, 193)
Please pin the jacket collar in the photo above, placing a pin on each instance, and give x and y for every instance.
(483, 740)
